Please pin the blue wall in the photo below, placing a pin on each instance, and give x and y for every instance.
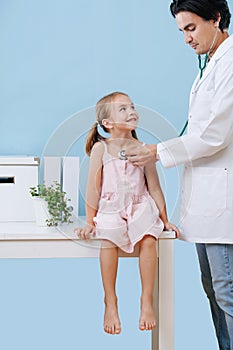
(58, 58)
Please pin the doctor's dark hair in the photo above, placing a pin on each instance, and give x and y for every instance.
(207, 9)
(103, 111)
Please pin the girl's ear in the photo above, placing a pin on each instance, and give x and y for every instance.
(107, 123)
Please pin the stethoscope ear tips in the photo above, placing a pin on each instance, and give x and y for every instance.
(216, 23)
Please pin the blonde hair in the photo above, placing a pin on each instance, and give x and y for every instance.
(103, 111)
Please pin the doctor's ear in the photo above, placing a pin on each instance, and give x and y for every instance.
(217, 21)
(107, 123)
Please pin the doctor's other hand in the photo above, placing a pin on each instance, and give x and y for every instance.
(171, 227)
(140, 155)
(86, 232)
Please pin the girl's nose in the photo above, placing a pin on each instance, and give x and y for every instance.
(132, 112)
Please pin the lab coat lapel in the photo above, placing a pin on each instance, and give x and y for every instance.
(196, 81)
(206, 72)
(223, 48)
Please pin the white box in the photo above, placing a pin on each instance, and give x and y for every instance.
(52, 170)
(64, 170)
(17, 175)
(70, 181)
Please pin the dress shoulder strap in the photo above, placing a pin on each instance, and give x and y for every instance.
(105, 146)
(105, 155)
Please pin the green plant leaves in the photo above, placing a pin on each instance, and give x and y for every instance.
(58, 204)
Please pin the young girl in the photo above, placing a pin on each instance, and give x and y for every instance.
(124, 205)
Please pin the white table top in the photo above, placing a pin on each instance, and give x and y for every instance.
(31, 231)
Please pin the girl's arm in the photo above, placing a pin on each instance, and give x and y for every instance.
(93, 191)
(155, 190)
(94, 183)
(156, 193)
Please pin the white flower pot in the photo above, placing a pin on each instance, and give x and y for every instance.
(41, 211)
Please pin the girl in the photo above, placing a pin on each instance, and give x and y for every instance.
(124, 205)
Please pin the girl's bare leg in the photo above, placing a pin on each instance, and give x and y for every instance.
(147, 264)
(109, 265)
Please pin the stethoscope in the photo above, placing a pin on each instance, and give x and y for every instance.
(202, 68)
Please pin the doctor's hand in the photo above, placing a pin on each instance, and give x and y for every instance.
(140, 155)
(86, 232)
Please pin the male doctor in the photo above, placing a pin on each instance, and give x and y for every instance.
(207, 153)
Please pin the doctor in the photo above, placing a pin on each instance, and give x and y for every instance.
(207, 152)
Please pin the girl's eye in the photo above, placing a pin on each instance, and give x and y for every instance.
(122, 109)
(133, 107)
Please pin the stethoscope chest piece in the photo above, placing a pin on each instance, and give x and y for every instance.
(121, 155)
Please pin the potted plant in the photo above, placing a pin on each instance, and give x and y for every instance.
(51, 204)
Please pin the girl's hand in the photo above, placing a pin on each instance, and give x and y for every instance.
(86, 232)
(170, 227)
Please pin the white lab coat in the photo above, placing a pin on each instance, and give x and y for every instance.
(207, 152)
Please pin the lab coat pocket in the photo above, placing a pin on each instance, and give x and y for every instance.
(208, 191)
(200, 106)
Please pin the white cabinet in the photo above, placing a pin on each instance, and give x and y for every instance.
(17, 175)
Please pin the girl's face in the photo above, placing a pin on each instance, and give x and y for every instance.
(123, 113)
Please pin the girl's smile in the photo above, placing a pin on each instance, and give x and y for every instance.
(123, 113)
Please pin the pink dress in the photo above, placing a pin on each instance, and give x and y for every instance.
(126, 211)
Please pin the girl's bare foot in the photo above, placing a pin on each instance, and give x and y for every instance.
(147, 318)
(111, 319)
